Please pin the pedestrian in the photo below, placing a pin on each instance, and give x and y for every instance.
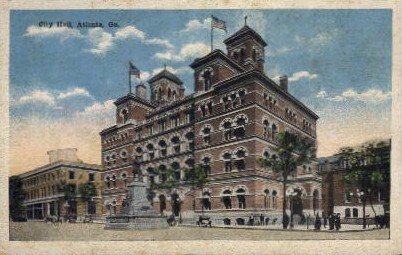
(308, 220)
(338, 221)
(325, 220)
(262, 219)
(317, 225)
(331, 221)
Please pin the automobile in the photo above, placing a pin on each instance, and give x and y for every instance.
(19, 219)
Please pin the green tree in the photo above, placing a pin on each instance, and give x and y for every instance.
(87, 192)
(291, 151)
(197, 178)
(69, 194)
(170, 184)
(16, 197)
(368, 171)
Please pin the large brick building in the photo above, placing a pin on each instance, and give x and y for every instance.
(346, 199)
(42, 187)
(227, 125)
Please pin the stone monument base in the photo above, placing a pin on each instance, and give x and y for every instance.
(136, 222)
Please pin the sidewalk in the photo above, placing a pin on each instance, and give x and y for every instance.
(278, 227)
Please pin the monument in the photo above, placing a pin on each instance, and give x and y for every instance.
(137, 212)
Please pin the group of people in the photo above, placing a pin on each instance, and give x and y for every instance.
(260, 220)
(333, 219)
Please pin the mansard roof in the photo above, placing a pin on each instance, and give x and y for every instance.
(214, 55)
(244, 31)
(166, 74)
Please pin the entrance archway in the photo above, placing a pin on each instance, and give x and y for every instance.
(297, 203)
(175, 204)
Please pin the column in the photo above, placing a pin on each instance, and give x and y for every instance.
(48, 208)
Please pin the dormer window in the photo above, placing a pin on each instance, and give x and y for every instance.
(124, 114)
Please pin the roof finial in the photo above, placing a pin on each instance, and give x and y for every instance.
(164, 66)
(245, 20)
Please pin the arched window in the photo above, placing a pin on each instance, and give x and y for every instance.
(138, 156)
(274, 131)
(160, 93)
(355, 213)
(206, 135)
(240, 159)
(347, 213)
(163, 148)
(227, 201)
(267, 202)
(176, 170)
(240, 122)
(254, 55)
(190, 138)
(124, 113)
(176, 144)
(151, 175)
(227, 158)
(227, 130)
(274, 198)
(151, 152)
(241, 198)
(235, 56)
(265, 124)
(174, 95)
(207, 76)
(226, 102)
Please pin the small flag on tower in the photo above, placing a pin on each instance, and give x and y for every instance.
(134, 70)
(217, 23)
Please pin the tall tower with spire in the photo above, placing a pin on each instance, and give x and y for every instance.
(246, 47)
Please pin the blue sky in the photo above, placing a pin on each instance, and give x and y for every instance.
(63, 80)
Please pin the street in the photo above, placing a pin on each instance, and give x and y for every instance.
(40, 231)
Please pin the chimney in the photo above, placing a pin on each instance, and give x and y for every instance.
(141, 91)
(283, 82)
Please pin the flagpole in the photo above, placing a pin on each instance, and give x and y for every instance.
(212, 35)
(129, 78)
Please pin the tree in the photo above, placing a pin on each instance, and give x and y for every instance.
(196, 177)
(368, 171)
(291, 151)
(16, 197)
(170, 184)
(87, 191)
(69, 194)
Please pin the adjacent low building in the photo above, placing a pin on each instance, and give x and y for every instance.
(41, 186)
(346, 199)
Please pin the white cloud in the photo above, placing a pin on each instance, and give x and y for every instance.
(130, 32)
(38, 96)
(158, 41)
(101, 41)
(321, 94)
(302, 75)
(60, 32)
(190, 50)
(195, 24)
(319, 39)
(371, 95)
(98, 109)
(74, 92)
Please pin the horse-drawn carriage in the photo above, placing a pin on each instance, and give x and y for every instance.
(204, 221)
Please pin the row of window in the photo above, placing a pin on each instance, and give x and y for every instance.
(162, 125)
(42, 192)
(33, 181)
(116, 139)
(229, 101)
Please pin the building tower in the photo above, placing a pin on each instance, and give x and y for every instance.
(246, 47)
(165, 87)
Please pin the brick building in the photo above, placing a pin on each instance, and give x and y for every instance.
(227, 125)
(40, 185)
(340, 197)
